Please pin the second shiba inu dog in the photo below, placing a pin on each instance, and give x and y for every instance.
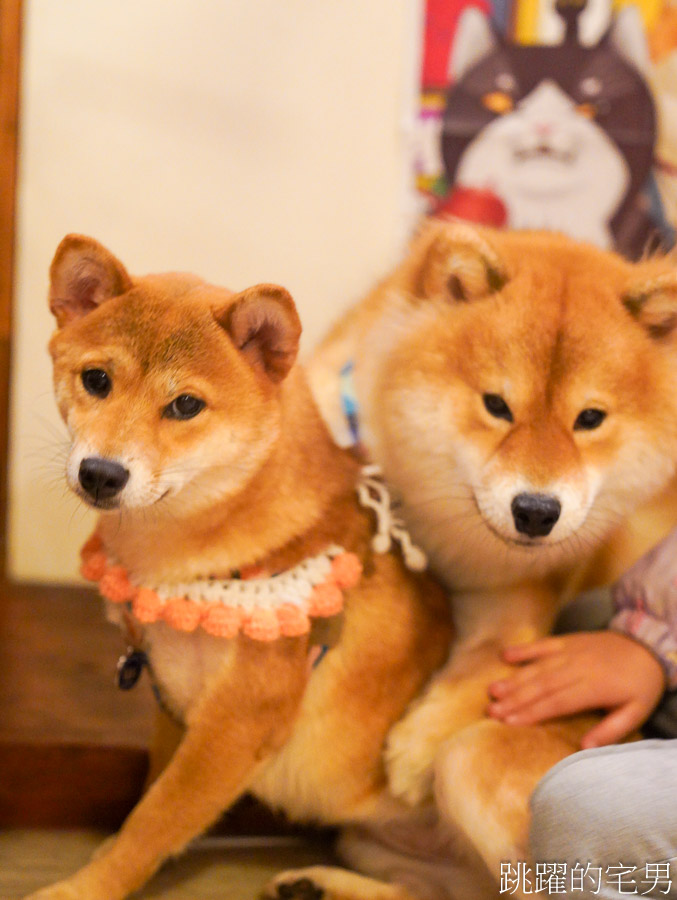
(518, 390)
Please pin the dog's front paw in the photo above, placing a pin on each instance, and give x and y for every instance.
(62, 890)
(330, 883)
(409, 757)
(86, 884)
(292, 885)
(298, 884)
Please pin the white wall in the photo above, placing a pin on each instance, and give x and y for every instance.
(245, 140)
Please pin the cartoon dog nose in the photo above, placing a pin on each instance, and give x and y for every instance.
(102, 478)
(535, 514)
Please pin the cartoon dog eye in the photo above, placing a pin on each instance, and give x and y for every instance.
(496, 406)
(183, 407)
(96, 382)
(589, 419)
(498, 102)
(587, 110)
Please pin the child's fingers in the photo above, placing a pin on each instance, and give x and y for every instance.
(532, 693)
(562, 702)
(512, 693)
(519, 653)
(615, 726)
(544, 674)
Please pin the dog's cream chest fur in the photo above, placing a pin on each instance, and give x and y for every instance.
(183, 665)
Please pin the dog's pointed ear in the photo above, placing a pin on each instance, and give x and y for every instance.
(458, 263)
(654, 304)
(264, 326)
(83, 275)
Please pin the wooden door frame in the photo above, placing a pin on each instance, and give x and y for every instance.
(10, 55)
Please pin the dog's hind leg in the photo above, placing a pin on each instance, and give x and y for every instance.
(433, 862)
(412, 860)
(484, 778)
(332, 883)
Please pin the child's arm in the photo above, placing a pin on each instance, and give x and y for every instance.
(577, 672)
(645, 600)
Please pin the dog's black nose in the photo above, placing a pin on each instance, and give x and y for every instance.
(535, 514)
(101, 478)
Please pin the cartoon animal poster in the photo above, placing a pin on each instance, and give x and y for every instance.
(541, 116)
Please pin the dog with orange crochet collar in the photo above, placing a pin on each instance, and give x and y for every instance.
(247, 559)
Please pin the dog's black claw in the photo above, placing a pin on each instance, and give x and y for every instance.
(303, 889)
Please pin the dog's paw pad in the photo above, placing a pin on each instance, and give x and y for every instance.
(301, 889)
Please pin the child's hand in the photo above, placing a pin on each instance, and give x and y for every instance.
(576, 672)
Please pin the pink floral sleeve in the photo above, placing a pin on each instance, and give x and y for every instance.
(645, 600)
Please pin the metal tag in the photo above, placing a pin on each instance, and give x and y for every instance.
(129, 668)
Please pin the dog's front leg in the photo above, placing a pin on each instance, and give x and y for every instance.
(238, 724)
(486, 622)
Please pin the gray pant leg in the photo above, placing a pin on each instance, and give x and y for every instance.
(607, 811)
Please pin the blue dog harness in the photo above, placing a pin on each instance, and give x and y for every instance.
(349, 401)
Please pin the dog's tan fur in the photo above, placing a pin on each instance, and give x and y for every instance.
(553, 327)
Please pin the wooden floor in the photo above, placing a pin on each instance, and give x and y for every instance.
(210, 869)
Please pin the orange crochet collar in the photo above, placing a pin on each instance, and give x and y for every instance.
(262, 606)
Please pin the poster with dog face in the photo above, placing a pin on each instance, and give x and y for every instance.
(543, 116)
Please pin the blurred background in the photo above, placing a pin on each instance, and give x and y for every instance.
(243, 141)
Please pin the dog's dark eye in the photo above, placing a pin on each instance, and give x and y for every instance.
(496, 406)
(96, 382)
(184, 407)
(589, 419)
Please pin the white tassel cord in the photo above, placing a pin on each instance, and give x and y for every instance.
(373, 494)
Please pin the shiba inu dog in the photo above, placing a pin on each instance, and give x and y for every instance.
(518, 390)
